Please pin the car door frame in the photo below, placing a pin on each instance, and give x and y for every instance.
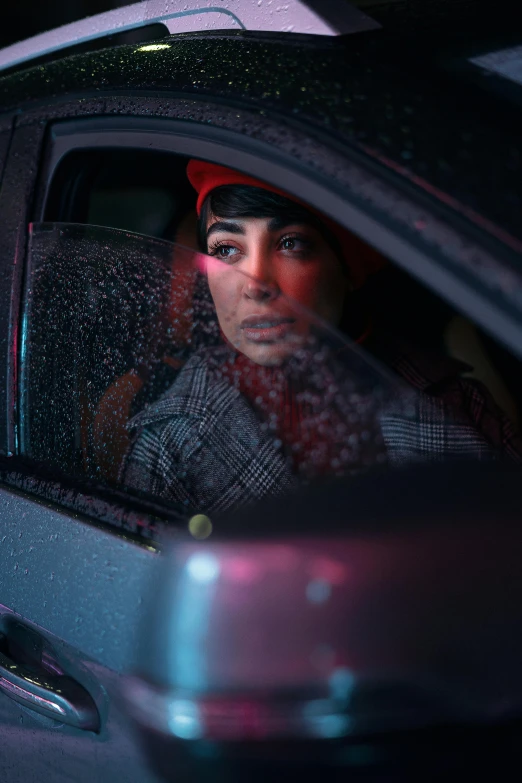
(418, 234)
(6, 129)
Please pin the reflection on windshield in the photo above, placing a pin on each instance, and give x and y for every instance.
(178, 375)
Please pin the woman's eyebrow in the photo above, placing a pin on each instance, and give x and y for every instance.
(278, 223)
(223, 225)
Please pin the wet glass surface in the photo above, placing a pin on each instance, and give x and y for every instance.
(130, 377)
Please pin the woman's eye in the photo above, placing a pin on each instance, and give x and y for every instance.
(224, 252)
(295, 244)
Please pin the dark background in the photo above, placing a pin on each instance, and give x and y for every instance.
(21, 19)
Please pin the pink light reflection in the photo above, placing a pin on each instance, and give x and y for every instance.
(243, 570)
(328, 570)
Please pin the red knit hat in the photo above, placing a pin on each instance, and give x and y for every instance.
(361, 259)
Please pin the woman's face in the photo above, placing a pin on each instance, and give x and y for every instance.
(262, 261)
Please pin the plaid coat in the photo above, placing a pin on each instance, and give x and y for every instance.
(203, 446)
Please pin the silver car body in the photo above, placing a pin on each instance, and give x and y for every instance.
(182, 17)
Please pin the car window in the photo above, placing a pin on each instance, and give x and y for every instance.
(144, 191)
(128, 377)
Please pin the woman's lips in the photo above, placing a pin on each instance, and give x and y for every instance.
(266, 329)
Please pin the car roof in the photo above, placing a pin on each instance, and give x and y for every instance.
(327, 17)
(421, 109)
(453, 130)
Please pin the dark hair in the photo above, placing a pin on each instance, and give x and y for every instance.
(247, 201)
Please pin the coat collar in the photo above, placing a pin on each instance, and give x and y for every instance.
(422, 370)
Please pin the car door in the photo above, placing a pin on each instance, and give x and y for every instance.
(77, 555)
(75, 584)
(5, 136)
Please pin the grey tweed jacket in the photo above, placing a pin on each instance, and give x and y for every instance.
(203, 446)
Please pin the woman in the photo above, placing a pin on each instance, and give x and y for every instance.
(253, 415)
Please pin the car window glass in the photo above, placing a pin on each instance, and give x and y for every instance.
(127, 377)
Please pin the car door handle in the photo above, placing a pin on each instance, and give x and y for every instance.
(59, 697)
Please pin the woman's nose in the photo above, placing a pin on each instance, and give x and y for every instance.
(260, 281)
(260, 292)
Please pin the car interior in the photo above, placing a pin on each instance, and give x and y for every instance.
(147, 193)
